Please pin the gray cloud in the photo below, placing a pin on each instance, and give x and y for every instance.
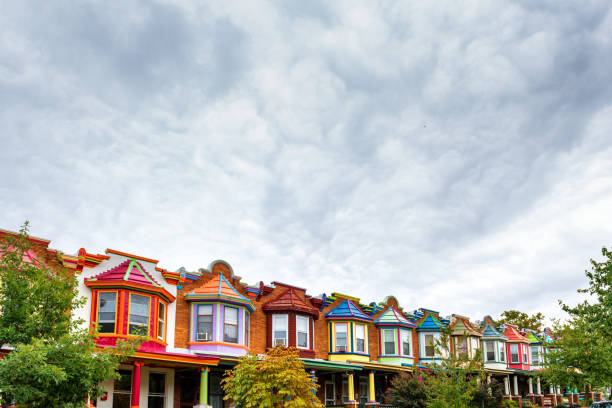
(457, 158)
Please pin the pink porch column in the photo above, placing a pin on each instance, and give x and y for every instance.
(136, 384)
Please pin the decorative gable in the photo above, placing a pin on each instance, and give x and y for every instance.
(393, 317)
(430, 323)
(463, 327)
(347, 311)
(219, 289)
(489, 331)
(290, 300)
(513, 335)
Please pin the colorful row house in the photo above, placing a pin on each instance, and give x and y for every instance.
(197, 325)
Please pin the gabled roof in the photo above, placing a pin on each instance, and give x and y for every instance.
(513, 335)
(430, 323)
(347, 310)
(489, 330)
(533, 338)
(462, 326)
(290, 300)
(129, 273)
(393, 317)
(219, 289)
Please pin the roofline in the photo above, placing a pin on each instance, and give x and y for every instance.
(140, 258)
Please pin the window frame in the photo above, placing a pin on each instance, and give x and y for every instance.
(535, 349)
(464, 342)
(123, 392)
(160, 320)
(385, 342)
(432, 346)
(486, 351)
(275, 329)
(297, 332)
(247, 328)
(197, 321)
(512, 354)
(357, 327)
(157, 394)
(409, 342)
(346, 332)
(148, 325)
(502, 351)
(525, 353)
(237, 325)
(97, 316)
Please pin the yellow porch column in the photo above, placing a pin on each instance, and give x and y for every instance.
(351, 387)
(371, 385)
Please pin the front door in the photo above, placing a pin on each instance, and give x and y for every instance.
(215, 392)
(330, 393)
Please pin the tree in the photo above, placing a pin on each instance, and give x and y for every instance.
(582, 355)
(522, 320)
(407, 391)
(488, 395)
(454, 381)
(276, 380)
(54, 363)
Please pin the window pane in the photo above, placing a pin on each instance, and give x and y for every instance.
(231, 315)
(360, 331)
(429, 345)
(502, 352)
(156, 401)
(107, 304)
(406, 337)
(461, 345)
(302, 340)
(122, 400)
(514, 353)
(139, 315)
(230, 333)
(490, 351)
(341, 335)
(124, 383)
(157, 383)
(161, 322)
(279, 330)
(205, 310)
(301, 323)
(389, 341)
(535, 358)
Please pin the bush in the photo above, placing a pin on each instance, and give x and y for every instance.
(509, 404)
(407, 391)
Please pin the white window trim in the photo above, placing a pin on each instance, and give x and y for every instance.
(401, 350)
(365, 344)
(346, 347)
(436, 337)
(518, 354)
(307, 332)
(286, 329)
(230, 324)
(394, 337)
(161, 336)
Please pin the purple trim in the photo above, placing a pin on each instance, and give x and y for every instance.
(194, 326)
(240, 325)
(222, 320)
(217, 348)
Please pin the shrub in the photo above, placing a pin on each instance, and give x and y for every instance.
(509, 404)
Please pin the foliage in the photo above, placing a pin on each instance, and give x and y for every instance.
(488, 395)
(276, 380)
(454, 381)
(35, 301)
(509, 404)
(407, 391)
(53, 364)
(583, 353)
(522, 320)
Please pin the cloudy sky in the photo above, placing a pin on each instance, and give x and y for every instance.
(458, 157)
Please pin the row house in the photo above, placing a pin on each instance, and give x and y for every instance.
(196, 325)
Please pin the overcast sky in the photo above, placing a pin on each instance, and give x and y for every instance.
(457, 155)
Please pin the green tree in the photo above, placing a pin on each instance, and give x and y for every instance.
(455, 380)
(488, 395)
(522, 320)
(407, 391)
(54, 363)
(274, 381)
(583, 353)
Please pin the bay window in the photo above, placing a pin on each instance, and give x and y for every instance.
(389, 341)
(279, 330)
(341, 336)
(107, 308)
(138, 323)
(360, 338)
(230, 325)
(514, 353)
(301, 328)
(204, 329)
(406, 337)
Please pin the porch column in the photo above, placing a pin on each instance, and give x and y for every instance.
(351, 387)
(371, 387)
(489, 383)
(530, 382)
(203, 386)
(313, 378)
(506, 385)
(515, 381)
(538, 386)
(136, 384)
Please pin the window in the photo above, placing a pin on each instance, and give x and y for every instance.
(502, 352)
(161, 321)
(525, 354)
(535, 355)
(430, 348)
(330, 393)
(341, 336)
(247, 328)
(122, 390)
(514, 353)
(279, 330)
(389, 341)
(139, 315)
(490, 349)
(107, 306)
(230, 325)
(360, 337)
(406, 340)
(475, 345)
(157, 390)
(205, 323)
(301, 328)
(461, 346)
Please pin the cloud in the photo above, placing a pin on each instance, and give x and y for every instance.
(456, 158)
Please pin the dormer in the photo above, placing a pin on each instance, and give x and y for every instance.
(348, 331)
(395, 335)
(219, 315)
(128, 301)
(493, 345)
(465, 338)
(290, 320)
(429, 327)
(517, 348)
